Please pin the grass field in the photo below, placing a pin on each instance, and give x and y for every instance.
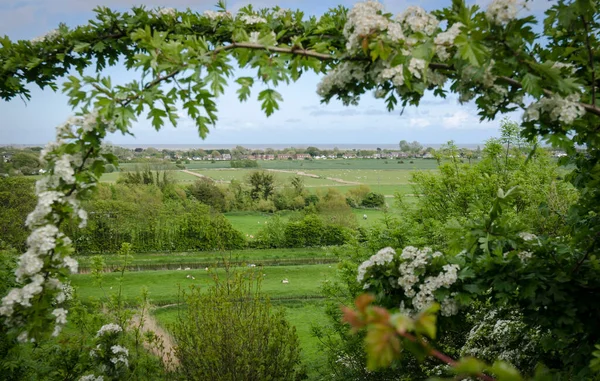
(163, 286)
(178, 176)
(327, 164)
(281, 178)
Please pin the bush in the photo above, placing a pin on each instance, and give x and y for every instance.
(205, 191)
(311, 199)
(244, 163)
(272, 235)
(411, 162)
(373, 200)
(229, 332)
(266, 206)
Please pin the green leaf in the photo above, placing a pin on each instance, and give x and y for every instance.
(269, 98)
(531, 84)
(505, 372)
(382, 346)
(469, 365)
(470, 50)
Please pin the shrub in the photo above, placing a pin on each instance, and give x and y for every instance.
(311, 199)
(205, 191)
(229, 332)
(266, 206)
(411, 162)
(373, 200)
(243, 163)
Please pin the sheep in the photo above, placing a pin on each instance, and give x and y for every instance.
(206, 269)
(251, 265)
(285, 281)
(364, 216)
(187, 268)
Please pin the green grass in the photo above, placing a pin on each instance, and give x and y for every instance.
(251, 222)
(327, 164)
(178, 176)
(281, 178)
(163, 286)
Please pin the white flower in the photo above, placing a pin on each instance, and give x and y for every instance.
(252, 19)
(418, 20)
(63, 169)
(216, 15)
(525, 255)
(46, 37)
(71, 264)
(109, 328)
(167, 12)
(254, 36)
(280, 12)
(345, 73)
(565, 110)
(363, 19)
(448, 37)
(395, 74)
(416, 67)
(503, 11)
(116, 349)
(91, 377)
(527, 236)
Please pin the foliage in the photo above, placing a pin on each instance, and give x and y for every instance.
(145, 175)
(262, 185)
(373, 200)
(17, 200)
(244, 163)
(205, 191)
(230, 332)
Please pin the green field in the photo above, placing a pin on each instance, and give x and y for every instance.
(327, 164)
(163, 286)
(178, 176)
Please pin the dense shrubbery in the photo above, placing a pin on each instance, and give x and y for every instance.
(244, 163)
(152, 220)
(17, 200)
(229, 332)
(307, 231)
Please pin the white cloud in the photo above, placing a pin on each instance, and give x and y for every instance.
(419, 122)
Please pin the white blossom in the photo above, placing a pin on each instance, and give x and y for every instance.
(71, 264)
(363, 19)
(565, 110)
(394, 73)
(382, 257)
(64, 170)
(416, 67)
(167, 12)
(503, 11)
(527, 236)
(345, 73)
(418, 20)
(448, 37)
(109, 328)
(254, 36)
(51, 35)
(91, 377)
(217, 15)
(252, 19)
(282, 12)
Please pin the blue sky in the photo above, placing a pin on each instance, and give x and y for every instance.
(302, 119)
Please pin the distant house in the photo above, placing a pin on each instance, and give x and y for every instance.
(7, 157)
(349, 156)
(283, 156)
(377, 156)
(559, 154)
(394, 155)
(196, 158)
(302, 156)
(251, 157)
(428, 155)
(226, 156)
(269, 157)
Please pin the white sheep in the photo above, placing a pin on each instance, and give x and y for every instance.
(285, 281)
(187, 268)
(364, 216)
(251, 265)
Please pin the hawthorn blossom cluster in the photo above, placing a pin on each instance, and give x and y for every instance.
(39, 268)
(565, 110)
(253, 19)
(345, 74)
(109, 329)
(119, 355)
(415, 262)
(503, 335)
(213, 15)
(503, 11)
(383, 257)
(51, 35)
(91, 377)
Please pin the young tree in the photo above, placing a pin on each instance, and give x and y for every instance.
(262, 184)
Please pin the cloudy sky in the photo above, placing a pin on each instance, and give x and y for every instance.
(302, 119)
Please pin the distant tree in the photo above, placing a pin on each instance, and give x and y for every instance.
(215, 153)
(415, 147)
(313, 151)
(262, 185)
(27, 162)
(17, 200)
(404, 146)
(298, 184)
(205, 191)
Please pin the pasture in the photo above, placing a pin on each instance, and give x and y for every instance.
(327, 164)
